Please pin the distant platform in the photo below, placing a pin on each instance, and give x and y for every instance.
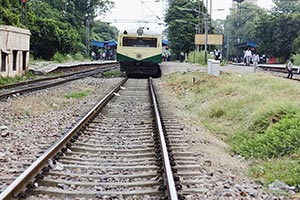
(45, 67)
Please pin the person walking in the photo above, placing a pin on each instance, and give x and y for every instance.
(181, 56)
(248, 56)
(290, 69)
(255, 60)
(103, 55)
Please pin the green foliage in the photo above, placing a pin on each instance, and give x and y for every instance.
(287, 6)
(296, 58)
(282, 28)
(112, 73)
(9, 12)
(50, 36)
(284, 169)
(29, 75)
(242, 28)
(280, 139)
(78, 95)
(182, 21)
(103, 31)
(257, 114)
(16, 79)
(56, 25)
(78, 56)
(223, 63)
(271, 116)
(58, 57)
(276, 34)
(198, 57)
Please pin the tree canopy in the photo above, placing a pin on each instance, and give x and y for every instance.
(182, 20)
(58, 25)
(287, 6)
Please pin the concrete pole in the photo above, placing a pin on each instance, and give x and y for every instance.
(206, 35)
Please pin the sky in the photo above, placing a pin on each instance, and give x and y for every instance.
(132, 14)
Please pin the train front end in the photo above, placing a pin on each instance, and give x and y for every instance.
(140, 54)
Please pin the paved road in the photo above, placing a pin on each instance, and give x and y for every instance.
(169, 67)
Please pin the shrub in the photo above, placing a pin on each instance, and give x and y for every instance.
(112, 73)
(198, 57)
(58, 57)
(296, 58)
(78, 56)
(280, 139)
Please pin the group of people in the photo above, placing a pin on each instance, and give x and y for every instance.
(217, 54)
(166, 56)
(248, 56)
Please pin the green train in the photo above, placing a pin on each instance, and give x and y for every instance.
(140, 54)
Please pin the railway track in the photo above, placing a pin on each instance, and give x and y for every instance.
(280, 71)
(42, 83)
(129, 149)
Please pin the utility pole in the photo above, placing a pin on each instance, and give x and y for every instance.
(87, 25)
(87, 36)
(206, 34)
(23, 12)
(239, 10)
(210, 29)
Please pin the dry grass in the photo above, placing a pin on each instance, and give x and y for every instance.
(235, 107)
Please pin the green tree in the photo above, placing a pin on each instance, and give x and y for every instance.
(278, 34)
(49, 32)
(182, 20)
(57, 25)
(10, 12)
(287, 6)
(241, 29)
(103, 31)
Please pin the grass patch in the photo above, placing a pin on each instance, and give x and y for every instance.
(78, 95)
(60, 58)
(257, 114)
(112, 73)
(16, 79)
(284, 169)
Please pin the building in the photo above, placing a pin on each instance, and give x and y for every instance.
(14, 51)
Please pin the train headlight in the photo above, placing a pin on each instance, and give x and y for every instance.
(140, 31)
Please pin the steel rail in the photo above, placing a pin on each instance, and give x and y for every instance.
(31, 173)
(76, 76)
(12, 85)
(170, 179)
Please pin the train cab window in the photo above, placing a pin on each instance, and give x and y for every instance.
(139, 42)
(3, 61)
(15, 57)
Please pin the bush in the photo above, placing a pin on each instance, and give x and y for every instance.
(296, 58)
(112, 73)
(198, 57)
(58, 57)
(10, 80)
(280, 139)
(285, 169)
(78, 56)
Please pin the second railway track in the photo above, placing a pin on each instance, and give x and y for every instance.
(42, 83)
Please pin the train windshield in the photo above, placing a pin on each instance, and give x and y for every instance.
(139, 42)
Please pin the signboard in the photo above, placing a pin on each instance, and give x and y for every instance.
(216, 39)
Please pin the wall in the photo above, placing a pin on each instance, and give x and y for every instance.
(14, 51)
